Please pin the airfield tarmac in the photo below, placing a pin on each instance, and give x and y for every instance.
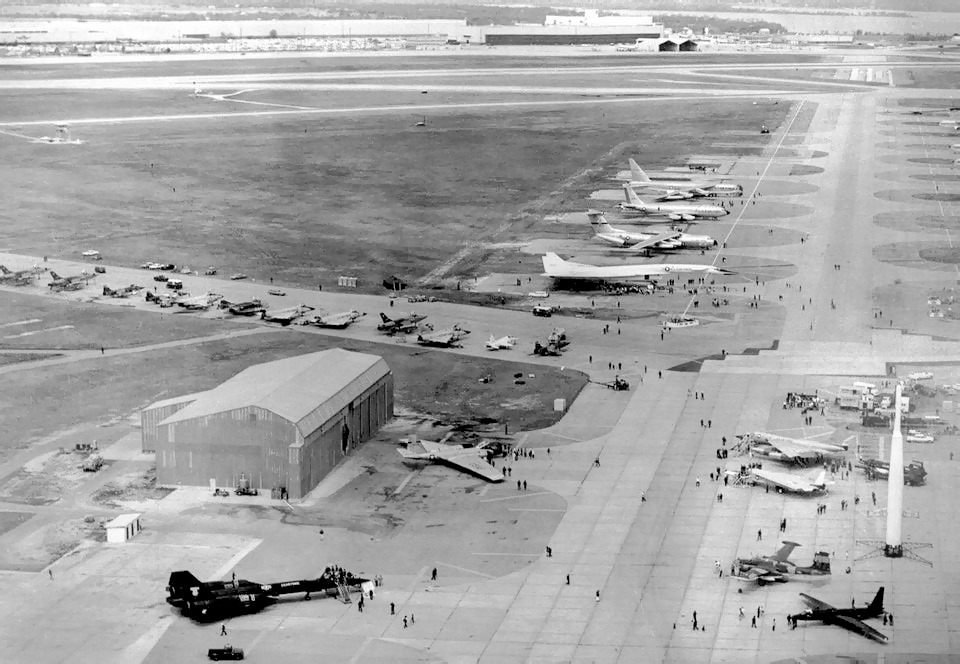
(497, 597)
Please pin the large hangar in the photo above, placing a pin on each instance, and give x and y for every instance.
(285, 424)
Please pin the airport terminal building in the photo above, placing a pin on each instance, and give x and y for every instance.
(286, 423)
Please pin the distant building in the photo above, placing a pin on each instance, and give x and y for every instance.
(591, 28)
(285, 424)
(821, 39)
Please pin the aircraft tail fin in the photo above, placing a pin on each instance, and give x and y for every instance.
(876, 606)
(54, 276)
(637, 174)
(632, 197)
(552, 262)
(821, 479)
(384, 318)
(784, 551)
(595, 216)
(183, 580)
(4, 269)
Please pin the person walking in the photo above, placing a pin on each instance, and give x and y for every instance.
(698, 480)
(759, 535)
(393, 609)
(404, 622)
(223, 629)
(568, 579)
(433, 575)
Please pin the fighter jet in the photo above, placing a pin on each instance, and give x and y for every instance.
(471, 460)
(200, 302)
(809, 484)
(74, 282)
(443, 338)
(557, 268)
(671, 210)
(789, 450)
(777, 568)
(403, 324)
(503, 343)
(285, 316)
(163, 299)
(18, 278)
(337, 321)
(667, 240)
(851, 619)
(678, 189)
(126, 291)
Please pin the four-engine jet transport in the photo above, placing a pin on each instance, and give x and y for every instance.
(851, 619)
(778, 568)
(681, 211)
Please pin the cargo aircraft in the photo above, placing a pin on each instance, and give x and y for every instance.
(443, 338)
(803, 484)
(557, 268)
(679, 189)
(851, 619)
(665, 241)
(472, 460)
(336, 321)
(671, 210)
(403, 324)
(778, 568)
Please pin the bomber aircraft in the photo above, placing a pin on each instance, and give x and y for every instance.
(778, 568)
(472, 460)
(666, 240)
(851, 619)
(677, 189)
(682, 211)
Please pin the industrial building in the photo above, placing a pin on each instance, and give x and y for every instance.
(564, 30)
(283, 424)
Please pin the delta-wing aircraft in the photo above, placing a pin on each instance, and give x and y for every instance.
(778, 568)
(677, 189)
(472, 460)
(403, 324)
(803, 484)
(665, 240)
(200, 302)
(285, 316)
(557, 268)
(670, 210)
(336, 321)
(851, 619)
(443, 338)
(503, 343)
(789, 450)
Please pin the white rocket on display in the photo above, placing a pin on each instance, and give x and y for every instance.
(894, 542)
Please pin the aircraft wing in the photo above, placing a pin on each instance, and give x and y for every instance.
(655, 240)
(792, 449)
(815, 603)
(471, 462)
(856, 625)
(556, 267)
(784, 481)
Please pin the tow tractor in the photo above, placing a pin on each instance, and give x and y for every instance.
(618, 384)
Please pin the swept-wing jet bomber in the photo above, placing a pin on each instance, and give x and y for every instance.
(671, 210)
(789, 450)
(472, 460)
(803, 484)
(557, 268)
(851, 619)
(665, 240)
(687, 188)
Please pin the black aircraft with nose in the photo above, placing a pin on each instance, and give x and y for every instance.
(851, 619)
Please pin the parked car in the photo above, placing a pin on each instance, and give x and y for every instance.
(277, 291)
(160, 277)
(541, 310)
(226, 652)
(917, 437)
(238, 276)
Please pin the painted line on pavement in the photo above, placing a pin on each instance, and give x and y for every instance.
(469, 571)
(519, 495)
(230, 564)
(404, 482)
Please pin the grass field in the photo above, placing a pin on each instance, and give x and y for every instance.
(308, 198)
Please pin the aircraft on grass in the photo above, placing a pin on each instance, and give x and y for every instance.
(679, 189)
(557, 268)
(809, 484)
(403, 324)
(788, 450)
(851, 619)
(285, 316)
(667, 240)
(443, 338)
(778, 568)
(199, 302)
(126, 291)
(62, 137)
(503, 343)
(338, 321)
(671, 210)
(471, 460)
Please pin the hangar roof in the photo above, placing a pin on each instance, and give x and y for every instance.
(306, 390)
